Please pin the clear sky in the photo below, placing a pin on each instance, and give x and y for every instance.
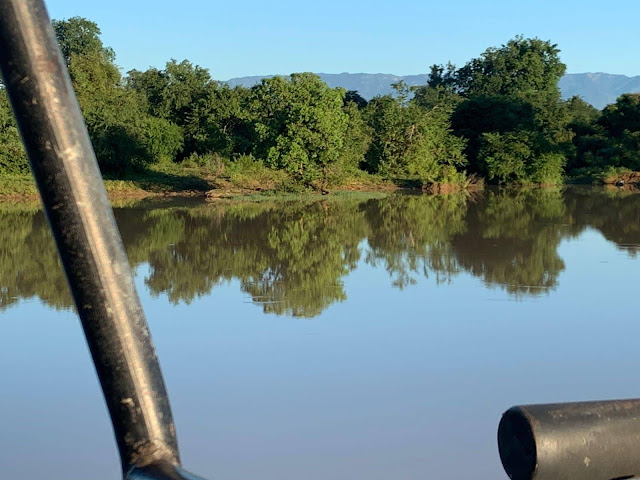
(240, 38)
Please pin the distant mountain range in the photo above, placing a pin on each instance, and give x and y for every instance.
(599, 89)
(366, 84)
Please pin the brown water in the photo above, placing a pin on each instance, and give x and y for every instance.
(336, 338)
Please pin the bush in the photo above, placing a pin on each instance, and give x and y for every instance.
(245, 171)
(411, 141)
(547, 169)
(504, 156)
(13, 158)
(161, 139)
(213, 163)
(512, 157)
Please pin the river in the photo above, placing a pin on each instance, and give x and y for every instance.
(338, 338)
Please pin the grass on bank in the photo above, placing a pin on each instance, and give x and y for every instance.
(608, 176)
(17, 186)
(198, 175)
(212, 176)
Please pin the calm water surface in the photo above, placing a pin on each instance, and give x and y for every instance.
(375, 339)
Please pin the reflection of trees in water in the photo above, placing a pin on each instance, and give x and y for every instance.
(29, 264)
(512, 238)
(309, 252)
(412, 234)
(614, 212)
(292, 257)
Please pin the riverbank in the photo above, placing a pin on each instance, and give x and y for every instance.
(203, 183)
(169, 181)
(23, 188)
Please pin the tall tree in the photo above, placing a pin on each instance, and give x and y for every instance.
(357, 139)
(300, 125)
(409, 140)
(79, 36)
(512, 115)
(209, 113)
(588, 136)
(124, 136)
(527, 68)
(621, 121)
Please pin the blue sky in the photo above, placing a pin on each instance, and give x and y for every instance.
(235, 39)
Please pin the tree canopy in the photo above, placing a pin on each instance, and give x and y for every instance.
(500, 116)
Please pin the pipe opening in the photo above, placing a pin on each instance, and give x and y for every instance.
(517, 445)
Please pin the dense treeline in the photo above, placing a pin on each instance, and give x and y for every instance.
(293, 257)
(500, 117)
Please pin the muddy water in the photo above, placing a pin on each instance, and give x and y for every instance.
(345, 338)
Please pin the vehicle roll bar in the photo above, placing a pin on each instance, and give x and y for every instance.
(89, 243)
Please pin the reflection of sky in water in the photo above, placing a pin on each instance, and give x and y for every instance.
(390, 384)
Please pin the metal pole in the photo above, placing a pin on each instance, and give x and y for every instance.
(571, 441)
(80, 216)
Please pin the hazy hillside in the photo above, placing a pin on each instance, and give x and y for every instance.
(599, 89)
(367, 84)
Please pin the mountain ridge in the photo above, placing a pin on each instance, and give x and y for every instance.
(596, 88)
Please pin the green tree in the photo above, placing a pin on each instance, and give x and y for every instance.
(511, 157)
(506, 155)
(526, 68)
(440, 90)
(410, 141)
(581, 115)
(351, 96)
(512, 102)
(212, 116)
(229, 121)
(124, 136)
(621, 122)
(607, 139)
(79, 36)
(622, 116)
(357, 139)
(179, 94)
(299, 125)
(13, 158)
(589, 138)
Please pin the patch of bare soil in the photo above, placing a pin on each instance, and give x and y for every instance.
(367, 187)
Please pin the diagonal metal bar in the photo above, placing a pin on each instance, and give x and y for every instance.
(80, 216)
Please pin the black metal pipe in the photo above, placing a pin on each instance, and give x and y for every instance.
(571, 441)
(80, 216)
